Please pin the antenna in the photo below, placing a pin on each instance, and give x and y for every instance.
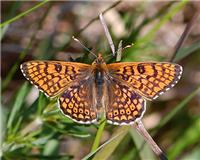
(75, 39)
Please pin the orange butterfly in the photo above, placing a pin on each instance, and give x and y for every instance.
(119, 89)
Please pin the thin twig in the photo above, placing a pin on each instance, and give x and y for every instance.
(184, 35)
(97, 17)
(143, 132)
(107, 33)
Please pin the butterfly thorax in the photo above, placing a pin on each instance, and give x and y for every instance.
(99, 69)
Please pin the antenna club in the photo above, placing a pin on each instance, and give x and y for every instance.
(75, 38)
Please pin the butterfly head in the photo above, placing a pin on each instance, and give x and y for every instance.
(99, 60)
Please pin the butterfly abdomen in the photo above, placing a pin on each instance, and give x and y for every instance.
(99, 78)
(99, 82)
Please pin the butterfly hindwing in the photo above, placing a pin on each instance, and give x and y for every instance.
(77, 102)
(124, 105)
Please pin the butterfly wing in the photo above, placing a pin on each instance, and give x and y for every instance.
(52, 77)
(124, 105)
(149, 79)
(78, 102)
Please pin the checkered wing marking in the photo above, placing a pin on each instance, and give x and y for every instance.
(52, 77)
(149, 79)
(125, 106)
(77, 102)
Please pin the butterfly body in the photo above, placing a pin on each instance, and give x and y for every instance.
(119, 90)
(99, 71)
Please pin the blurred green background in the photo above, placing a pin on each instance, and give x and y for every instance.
(33, 127)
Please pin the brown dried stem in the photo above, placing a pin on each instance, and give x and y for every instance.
(143, 132)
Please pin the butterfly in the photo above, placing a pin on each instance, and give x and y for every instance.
(118, 90)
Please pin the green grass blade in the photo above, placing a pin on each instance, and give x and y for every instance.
(41, 103)
(18, 123)
(179, 107)
(143, 148)
(194, 154)
(73, 131)
(51, 148)
(15, 67)
(114, 137)
(15, 6)
(108, 149)
(151, 34)
(3, 31)
(23, 14)
(132, 153)
(98, 135)
(17, 104)
(172, 12)
(183, 52)
(188, 137)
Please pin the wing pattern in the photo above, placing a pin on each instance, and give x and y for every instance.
(149, 79)
(124, 105)
(126, 85)
(52, 77)
(77, 102)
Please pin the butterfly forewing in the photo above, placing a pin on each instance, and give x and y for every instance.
(78, 101)
(52, 77)
(124, 105)
(148, 79)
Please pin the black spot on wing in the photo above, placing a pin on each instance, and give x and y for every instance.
(58, 67)
(140, 69)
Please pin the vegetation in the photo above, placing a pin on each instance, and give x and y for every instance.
(32, 125)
